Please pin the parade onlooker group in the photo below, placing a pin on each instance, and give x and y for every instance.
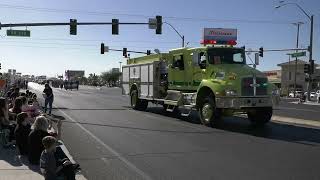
(33, 132)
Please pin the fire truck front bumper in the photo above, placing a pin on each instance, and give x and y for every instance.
(244, 102)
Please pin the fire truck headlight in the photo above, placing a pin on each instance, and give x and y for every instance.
(220, 75)
(231, 93)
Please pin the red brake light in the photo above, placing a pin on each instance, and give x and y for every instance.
(208, 42)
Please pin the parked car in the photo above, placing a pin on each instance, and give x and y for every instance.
(298, 94)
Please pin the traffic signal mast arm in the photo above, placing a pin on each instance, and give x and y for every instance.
(65, 24)
(274, 50)
(73, 23)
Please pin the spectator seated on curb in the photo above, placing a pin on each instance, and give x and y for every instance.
(30, 109)
(53, 161)
(17, 107)
(6, 125)
(22, 132)
(40, 130)
(15, 94)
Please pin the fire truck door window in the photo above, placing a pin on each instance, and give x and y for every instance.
(178, 62)
(216, 60)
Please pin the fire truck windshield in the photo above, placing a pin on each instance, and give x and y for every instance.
(226, 56)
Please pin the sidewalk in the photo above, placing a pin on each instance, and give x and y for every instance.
(14, 167)
(312, 103)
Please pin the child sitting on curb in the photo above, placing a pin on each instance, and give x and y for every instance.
(53, 162)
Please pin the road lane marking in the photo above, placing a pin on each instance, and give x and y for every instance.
(122, 158)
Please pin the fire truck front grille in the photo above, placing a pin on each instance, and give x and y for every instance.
(247, 88)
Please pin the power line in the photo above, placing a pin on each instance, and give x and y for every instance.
(97, 13)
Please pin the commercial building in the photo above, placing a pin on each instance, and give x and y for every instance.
(288, 77)
(274, 76)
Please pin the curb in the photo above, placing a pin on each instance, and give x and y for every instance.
(296, 121)
(79, 176)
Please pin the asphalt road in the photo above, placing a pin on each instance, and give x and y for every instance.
(111, 141)
(288, 108)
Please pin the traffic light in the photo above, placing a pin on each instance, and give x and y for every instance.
(73, 27)
(115, 26)
(124, 52)
(102, 48)
(148, 52)
(307, 68)
(261, 51)
(312, 67)
(0, 66)
(159, 25)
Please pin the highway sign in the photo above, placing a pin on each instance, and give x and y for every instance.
(298, 54)
(20, 33)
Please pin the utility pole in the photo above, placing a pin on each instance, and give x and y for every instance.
(311, 61)
(289, 70)
(296, 61)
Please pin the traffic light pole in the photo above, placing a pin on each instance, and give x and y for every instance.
(296, 61)
(310, 57)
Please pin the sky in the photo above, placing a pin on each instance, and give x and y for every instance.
(52, 50)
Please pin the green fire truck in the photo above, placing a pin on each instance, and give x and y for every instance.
(213, 80)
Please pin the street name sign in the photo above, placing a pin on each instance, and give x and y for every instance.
(298, 54)
(20, 33)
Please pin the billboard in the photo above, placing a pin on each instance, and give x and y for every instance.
(73, 74)
(219, 34)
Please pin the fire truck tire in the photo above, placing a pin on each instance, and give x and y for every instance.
(260, 116)
(143, 105)
(208, 112)
(136, 103)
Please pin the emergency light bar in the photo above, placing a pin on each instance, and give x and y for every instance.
(230, 42)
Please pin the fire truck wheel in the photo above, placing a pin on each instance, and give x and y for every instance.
(260, 116)
(143, 105)
(207, 112)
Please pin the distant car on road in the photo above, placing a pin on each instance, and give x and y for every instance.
(298, 94)
(312, 94)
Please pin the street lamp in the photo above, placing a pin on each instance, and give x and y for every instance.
(310, 17)
(296, 61)
(181, 36)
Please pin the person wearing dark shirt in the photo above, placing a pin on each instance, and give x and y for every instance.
(51, 164)
(17, 107)
(48, 98)
(15, 93)
(35, 146)
(22, 132)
